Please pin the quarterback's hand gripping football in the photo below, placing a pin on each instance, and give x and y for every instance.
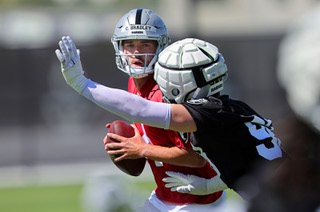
(71, 68)
(192, 184)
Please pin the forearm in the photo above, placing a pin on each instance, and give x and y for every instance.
(129, 106)
(174, 156)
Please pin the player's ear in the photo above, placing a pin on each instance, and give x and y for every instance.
(108, 125)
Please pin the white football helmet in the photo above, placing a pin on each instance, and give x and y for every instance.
(190, 69)
(139, 24)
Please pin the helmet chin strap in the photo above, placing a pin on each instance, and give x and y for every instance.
(196, 93)
(209, 89)
(200, 93)
(140, 76)
(146, 71)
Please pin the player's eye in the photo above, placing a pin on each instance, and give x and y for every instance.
(128, 45)
(146, 45)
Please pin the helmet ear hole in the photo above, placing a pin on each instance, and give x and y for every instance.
(175, 91)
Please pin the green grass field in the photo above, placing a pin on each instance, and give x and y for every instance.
(48, 198)
(41, 199)
(54, 198)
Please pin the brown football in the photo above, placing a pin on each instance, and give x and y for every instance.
(133, 167)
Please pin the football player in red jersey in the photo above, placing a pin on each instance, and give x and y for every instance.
(139, 37)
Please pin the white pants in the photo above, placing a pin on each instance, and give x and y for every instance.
(154, 204)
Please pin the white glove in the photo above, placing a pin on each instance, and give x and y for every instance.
(192, 184)
(71, 68)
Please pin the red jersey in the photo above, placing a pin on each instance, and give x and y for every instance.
(169, 138)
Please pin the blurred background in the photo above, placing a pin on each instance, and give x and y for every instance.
(51, 135)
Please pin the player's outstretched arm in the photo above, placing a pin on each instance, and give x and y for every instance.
(119, 102)
(124, 104)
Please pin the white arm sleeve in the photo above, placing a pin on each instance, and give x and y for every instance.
(129, 106)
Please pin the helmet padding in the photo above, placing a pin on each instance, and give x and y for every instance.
(190, 69)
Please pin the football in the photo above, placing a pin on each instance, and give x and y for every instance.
(133, 167)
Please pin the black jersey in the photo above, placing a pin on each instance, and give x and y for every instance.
(233, 136)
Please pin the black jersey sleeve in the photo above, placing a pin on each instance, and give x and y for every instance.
(205, 111)
(217, 112)
(233, 136)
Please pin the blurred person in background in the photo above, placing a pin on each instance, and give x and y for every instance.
(139, 37)
(297, 186)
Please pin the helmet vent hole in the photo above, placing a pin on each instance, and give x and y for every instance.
(175, 92)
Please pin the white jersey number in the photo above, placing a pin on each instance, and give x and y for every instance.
(262, 132)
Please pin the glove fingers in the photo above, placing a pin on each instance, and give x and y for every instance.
(173, 189)
(64, 50)
(72, 49)
(64, 46)
(172, 185)
(183, 189)
(181, 178)
(176, 175)
(178, 181)
(59, 55)
(170, 180)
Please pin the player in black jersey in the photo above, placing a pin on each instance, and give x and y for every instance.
(190, 73)
(234, 137)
